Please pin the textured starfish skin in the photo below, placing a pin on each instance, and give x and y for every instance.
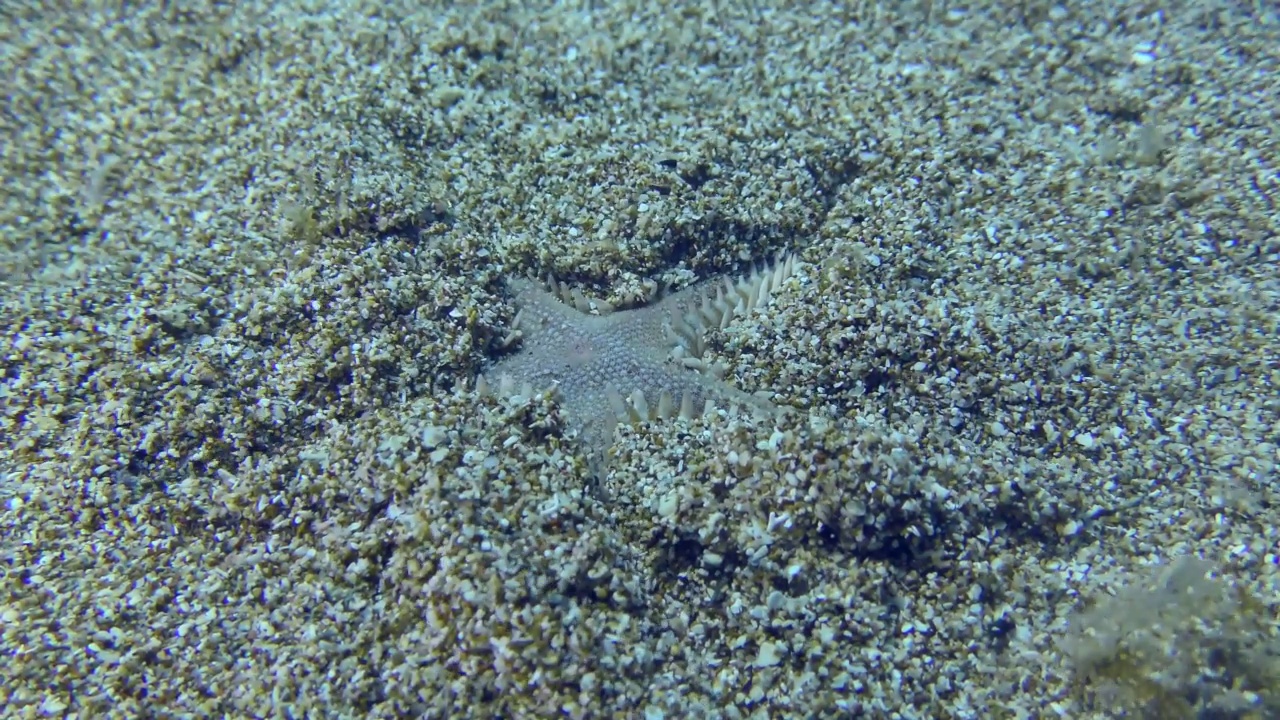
(584, 355)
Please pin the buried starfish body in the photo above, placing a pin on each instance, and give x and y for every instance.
(631, 365)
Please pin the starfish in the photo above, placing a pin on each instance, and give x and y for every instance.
(590, 355)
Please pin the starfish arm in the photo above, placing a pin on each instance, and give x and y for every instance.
(539, 310)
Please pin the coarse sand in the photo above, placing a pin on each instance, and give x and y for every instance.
(253, 257)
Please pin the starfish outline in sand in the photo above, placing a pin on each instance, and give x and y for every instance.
(591, 355)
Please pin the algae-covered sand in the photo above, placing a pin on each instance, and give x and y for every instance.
(253, 257)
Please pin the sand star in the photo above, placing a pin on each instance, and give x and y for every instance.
(631, 365)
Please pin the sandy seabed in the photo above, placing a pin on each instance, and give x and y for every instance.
(252, 257)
